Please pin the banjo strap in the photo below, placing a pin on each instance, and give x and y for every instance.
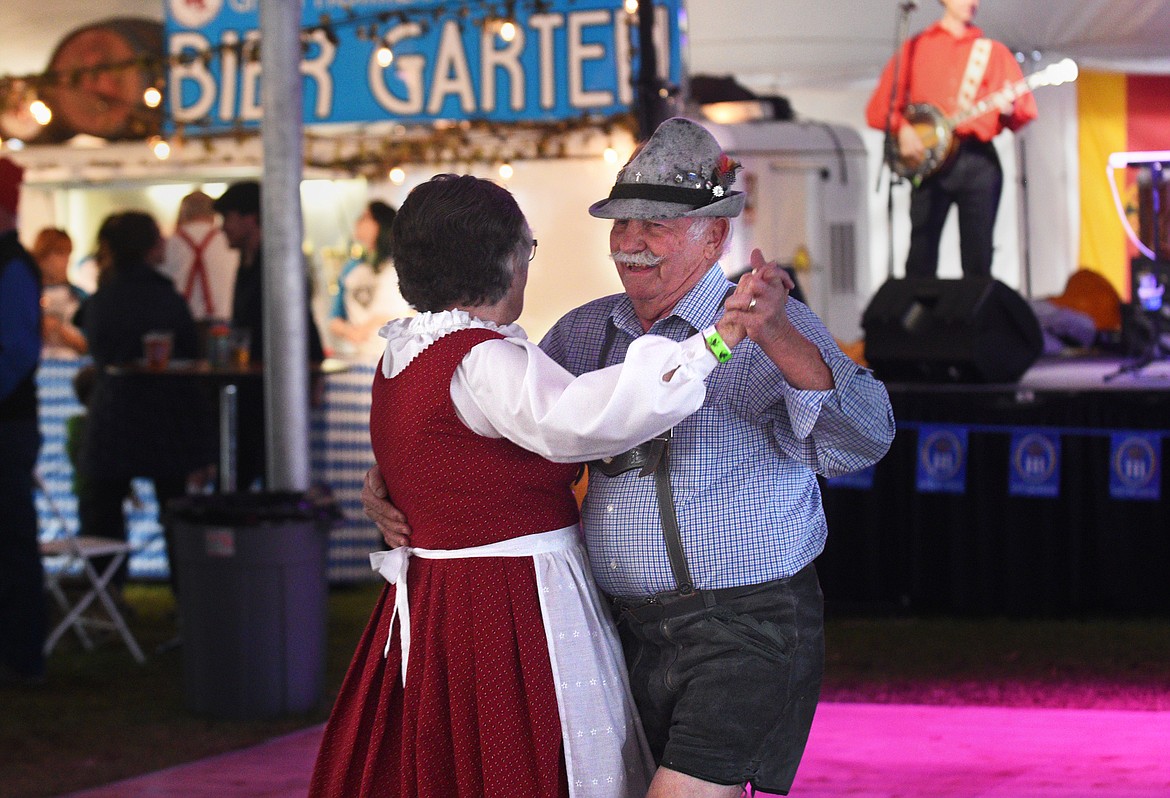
(973, 76)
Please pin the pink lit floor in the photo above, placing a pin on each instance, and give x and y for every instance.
(856, 750)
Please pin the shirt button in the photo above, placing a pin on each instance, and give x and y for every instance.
(613, 565)
(609, 508)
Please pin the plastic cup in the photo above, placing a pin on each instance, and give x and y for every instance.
(241, 347)
(157, 346)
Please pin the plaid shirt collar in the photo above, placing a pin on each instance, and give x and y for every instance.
(700, 308)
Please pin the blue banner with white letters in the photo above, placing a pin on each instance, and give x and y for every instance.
(1135, 466)
(417, 62)
(942, 458)
(1035, 464)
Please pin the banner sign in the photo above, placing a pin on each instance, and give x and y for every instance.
(1035, 464)
(942, 459)
(1135, 466)
(416, 62)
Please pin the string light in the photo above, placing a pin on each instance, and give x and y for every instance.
(160, 147)
(610, 154)
(397, 175)
(631, 7)
(384, 55)
(152, 97)
(508, 30)
(506, 171)
(40, 112)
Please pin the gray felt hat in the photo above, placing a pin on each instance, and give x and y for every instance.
(680, 171)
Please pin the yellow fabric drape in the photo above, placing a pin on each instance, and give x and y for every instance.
(1102, 123)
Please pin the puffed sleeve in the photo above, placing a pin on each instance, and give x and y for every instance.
(508, 388)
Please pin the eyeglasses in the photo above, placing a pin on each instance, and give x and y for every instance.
(532, 254)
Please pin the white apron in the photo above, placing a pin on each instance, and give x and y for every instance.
(606, 755)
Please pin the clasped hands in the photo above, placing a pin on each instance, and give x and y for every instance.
(757, 307)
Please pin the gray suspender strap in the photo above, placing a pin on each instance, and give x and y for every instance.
(674, 547)
(653, 456)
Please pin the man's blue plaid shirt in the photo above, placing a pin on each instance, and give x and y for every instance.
(743, 468)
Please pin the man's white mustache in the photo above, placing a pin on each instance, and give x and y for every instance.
(635, 258)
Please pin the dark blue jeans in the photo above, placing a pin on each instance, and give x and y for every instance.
(973, 182)
(22, 578)
(727, 693)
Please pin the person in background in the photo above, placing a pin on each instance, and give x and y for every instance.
(22, 588)
(706, 539)
(84, 274)
(140, 425)
(951, 66)
(199, 260)
(239, 205)
(367, 288)
(505, 666)
(76, 430)
(60, 299)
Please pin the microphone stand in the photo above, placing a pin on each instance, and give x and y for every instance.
(888, 145)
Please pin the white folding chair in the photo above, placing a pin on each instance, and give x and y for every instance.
(79, 552)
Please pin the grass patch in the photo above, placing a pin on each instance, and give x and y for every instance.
(103, 717)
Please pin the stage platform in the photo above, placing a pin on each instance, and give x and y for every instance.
(1045, 497)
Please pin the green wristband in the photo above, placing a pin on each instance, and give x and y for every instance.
(715, 342)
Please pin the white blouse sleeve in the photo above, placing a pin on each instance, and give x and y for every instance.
(509, 388)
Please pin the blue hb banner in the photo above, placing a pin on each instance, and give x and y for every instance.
(450, 61)
(1035, 464)
(1135, 465)
(942, 459)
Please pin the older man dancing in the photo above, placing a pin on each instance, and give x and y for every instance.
(705, 538)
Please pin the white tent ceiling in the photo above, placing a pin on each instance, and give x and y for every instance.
(777, 45)
(770, 45)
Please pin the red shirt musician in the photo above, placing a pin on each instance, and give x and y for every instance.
(956, 91)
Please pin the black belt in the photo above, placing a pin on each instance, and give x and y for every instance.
(674, 603)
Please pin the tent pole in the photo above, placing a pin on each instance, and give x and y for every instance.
(286, 358)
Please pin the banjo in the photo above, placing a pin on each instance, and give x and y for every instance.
(937, 131)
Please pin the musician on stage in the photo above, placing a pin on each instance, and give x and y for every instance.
(951, 66)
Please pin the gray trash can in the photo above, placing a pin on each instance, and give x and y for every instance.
(252, 601)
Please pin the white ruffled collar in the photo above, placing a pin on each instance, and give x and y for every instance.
(407, 338)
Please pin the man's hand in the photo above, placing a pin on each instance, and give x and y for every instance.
(388, 518)
(910, 146)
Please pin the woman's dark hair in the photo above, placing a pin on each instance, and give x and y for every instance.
(383, 215)
(457, 239)
(127, 237)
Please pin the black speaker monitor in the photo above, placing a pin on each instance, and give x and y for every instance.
(967, 330)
